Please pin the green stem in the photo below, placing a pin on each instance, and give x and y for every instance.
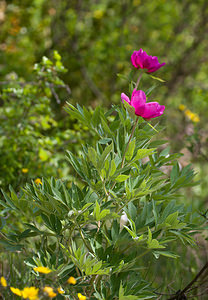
(127, 146)
(141, 255)
(83, 238)
(138, 80)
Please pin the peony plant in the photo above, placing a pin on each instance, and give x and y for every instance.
(124, 214)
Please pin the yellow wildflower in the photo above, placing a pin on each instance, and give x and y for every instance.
(182, 107)
(30, 293)
(192, 116)
(43, 270)
(81, 297)
(49, 291)
(3, 281)
(188, 113)
(195, 118)
(25, 170)
(15, 291)
(72, 280)
(60, 290)
(38, 181)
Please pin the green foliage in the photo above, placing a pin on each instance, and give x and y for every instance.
(126, 209)
(153, 183)
(30, 133)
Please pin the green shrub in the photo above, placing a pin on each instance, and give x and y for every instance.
(124, 214)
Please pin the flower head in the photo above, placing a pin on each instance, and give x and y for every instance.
(182, 107)
(15, 291)
(146, 110)
(72, 280)
(192, 116)
(3, 281)
(30, 293)
(141, 60)
(25, 170)
(81, 297)
(60, 290)
(43, 270)
(38, 181)
(49, 291)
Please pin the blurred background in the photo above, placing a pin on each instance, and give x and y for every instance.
(94, 40)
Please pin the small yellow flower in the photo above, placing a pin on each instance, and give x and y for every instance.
(182, 107)
(72, 280)
(16, 291)
(25, 170)
(81, 297)
(192, 116)
(3, 281)
(38, 181)
(60, 290)
(188, 113)
(49, 291)
(43, 270)
(30, 293)
(196, 118)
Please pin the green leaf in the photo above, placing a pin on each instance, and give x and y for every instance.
(121, 178)
(157, 78)
(130, 150)
(149, 91)
(105, 126)
(43, 154)
(92, 154)
(154, 244)
(97, 211)
(104, 155)
(167, 254)
(112, 168)
(172, 219)
(142, 153)
(104, 213)
(122, 297)
(133, 234)
(149, 236)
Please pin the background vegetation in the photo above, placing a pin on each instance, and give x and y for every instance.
(94, 41)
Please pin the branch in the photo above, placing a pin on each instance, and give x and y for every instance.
(180, 293)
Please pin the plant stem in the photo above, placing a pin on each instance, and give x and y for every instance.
(127, 146)
(83, 238)
(138, 80)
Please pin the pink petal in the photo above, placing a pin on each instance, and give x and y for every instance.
(138, 101)
(133, 59)
(152, 110)
(125, 98)
(154, 68)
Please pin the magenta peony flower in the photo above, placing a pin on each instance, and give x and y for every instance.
(146, 110)
(140, 59)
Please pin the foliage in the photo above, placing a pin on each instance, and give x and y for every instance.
(127, 209)
(35, 132)
(30, 133)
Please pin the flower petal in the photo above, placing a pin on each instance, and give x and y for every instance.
(155, 67)
(140, 59)
(138, 100)
(125, 98)
(152, 110)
